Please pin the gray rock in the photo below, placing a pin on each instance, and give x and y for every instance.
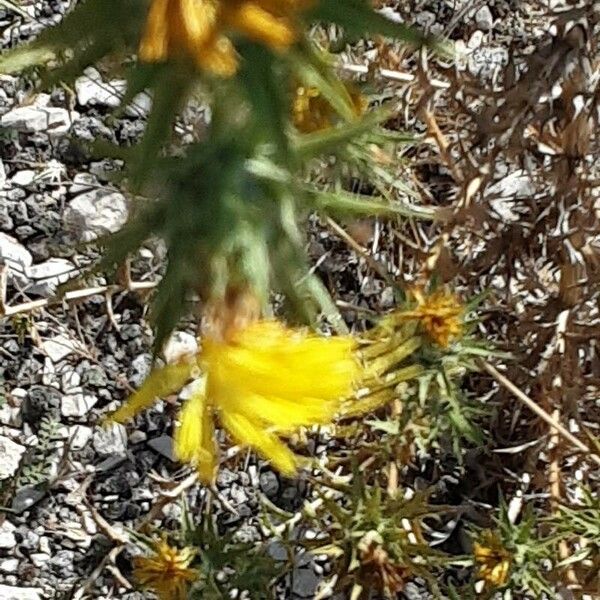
(486, 61)
(79, 436)
(10, 457)
(39, 117)
(96, 213)
(93, 91)
(2, 175)
(164, 446)
(54, 270)
(305, 583)
(8, 592)
(484, 18)
(14, 254)
(111, 439)
(139, 369)
(83, 182)
(77, 405)
(59, 347)
(137, 437)
(269, 484)
(70, 382)
(25, 498)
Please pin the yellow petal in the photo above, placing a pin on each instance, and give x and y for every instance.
(281, 413)
(154, 44)
(259, 25)
(195, 437)
(161, 382)
(245, 433)
(271, 361)
(217, 56)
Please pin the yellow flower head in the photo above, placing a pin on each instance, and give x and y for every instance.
(493, 558)
(166, 572)
(263, 381)
(199, 29)
(311, 111)
(439, 314)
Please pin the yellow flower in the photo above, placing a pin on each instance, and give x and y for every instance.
(166, 571)
(262, 380)
(440, 315)
(493, 558)
(312, 112)
(198, 29)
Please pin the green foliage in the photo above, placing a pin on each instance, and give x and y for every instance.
(226, 564)
(374, 539)
(36, 468)
(224, 223)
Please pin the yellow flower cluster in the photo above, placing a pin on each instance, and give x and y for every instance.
(263, 381)
(312, 112)
(493, 558)
(166, 571)
(199, 29)
(440, 314)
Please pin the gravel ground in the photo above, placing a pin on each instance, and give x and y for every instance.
(70, 487)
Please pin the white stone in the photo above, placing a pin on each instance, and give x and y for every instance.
(49, 373)
(59, 347)
(140, 106)
(39, 559)
(197, 386)
(180, 344)
(23, 178)
(70, 382)
(8, 592)
(10, 457)
(14, 254)
(484, 18)
(83, 182)
(79, 436)
(389, 13)
(96, 213)
(517, 185)
(32, 119)
(77, 405)
(110, 439)
(54, 269)
(137, 436)
(7, 537)
(9, 565)
(93, 91)
(10, 415)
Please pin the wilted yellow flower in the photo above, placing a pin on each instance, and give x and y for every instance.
(493, 558)
(263, 381)
(166, 572)
(440, 315)
(260, 380)
(312, 112)
(198, 29)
